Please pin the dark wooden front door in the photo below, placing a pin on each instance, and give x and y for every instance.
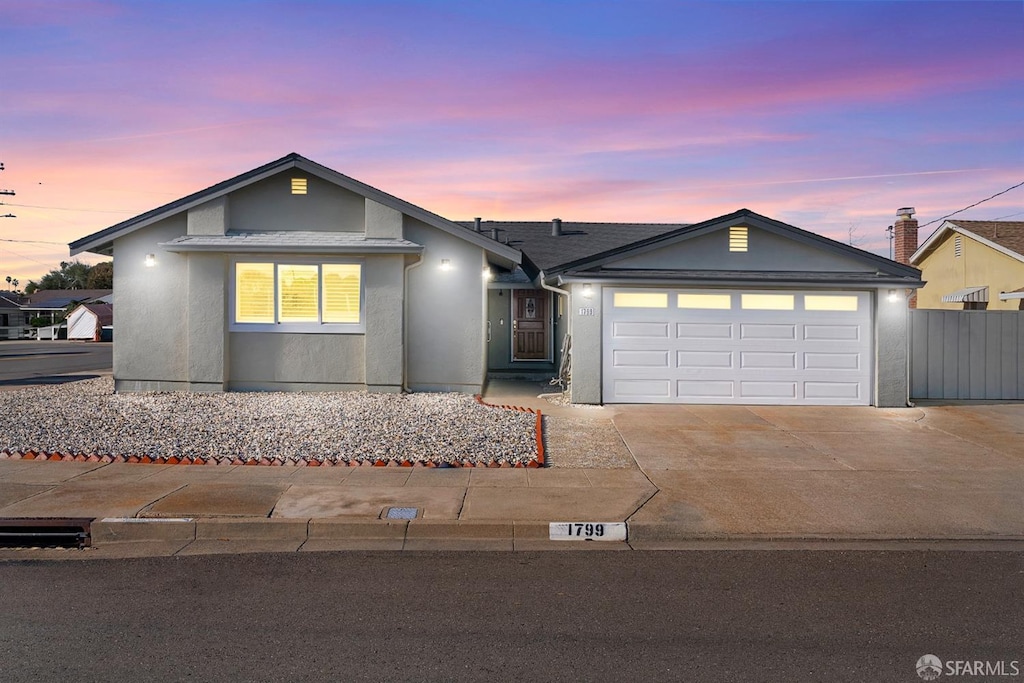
(529, 324)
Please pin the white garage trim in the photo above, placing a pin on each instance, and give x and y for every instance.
(748, 346)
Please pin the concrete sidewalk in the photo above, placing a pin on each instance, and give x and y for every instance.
(684, 476)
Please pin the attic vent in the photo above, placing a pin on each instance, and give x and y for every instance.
(737, 238)
(298, 186)
(958, 246)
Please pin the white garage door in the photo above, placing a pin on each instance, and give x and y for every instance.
(743, 346)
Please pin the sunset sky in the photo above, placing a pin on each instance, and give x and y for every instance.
(825, 115)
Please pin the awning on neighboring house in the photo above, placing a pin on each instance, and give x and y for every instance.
(1015, 294)
(967, 294)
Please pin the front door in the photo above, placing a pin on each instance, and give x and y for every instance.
(529, 324)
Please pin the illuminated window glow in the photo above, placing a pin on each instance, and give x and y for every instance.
(254, 293)
(299, 186)
(768, 302)
(306, 297)
(640, 300)
(815, 302)
(737, 238)
(718, 301)
(341, 292)
(297, 299)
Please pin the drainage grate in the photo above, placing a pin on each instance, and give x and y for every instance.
(44, 533)
(401, 513)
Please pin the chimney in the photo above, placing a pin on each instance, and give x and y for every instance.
(904, 233)
(556, 227)
(476, 223)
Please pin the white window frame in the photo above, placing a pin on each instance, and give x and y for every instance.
(306, 327)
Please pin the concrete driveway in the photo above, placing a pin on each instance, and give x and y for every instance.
(925, 472)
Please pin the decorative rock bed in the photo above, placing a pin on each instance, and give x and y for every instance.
(87, 421)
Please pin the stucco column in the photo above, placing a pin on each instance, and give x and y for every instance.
(892, 330)
(586, 344)
(206, 321)
(383, 314)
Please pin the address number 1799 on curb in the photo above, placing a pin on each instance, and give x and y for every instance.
(587, 531)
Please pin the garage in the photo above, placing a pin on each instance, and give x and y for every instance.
(749, 346)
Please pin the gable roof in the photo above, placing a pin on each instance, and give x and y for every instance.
(886, 269)
(577, 241)
(1006, 237)
(104, 312)
(102, 241)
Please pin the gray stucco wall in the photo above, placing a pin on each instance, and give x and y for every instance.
(445, 313)
(382, 278)
(284, 361)
(892, 357)
(270, 205)
(151, 351)
(766, 251)
(586, 344)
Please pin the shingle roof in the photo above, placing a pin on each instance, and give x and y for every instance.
(59, 298)
(1008, 234)
(291, 242)
(577, 241)
(728, 277)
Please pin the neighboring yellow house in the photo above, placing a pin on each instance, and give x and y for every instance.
(972, 265)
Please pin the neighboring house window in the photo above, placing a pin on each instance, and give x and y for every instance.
(299, 186)
(297, 296)
(958, 246)
(737, 238)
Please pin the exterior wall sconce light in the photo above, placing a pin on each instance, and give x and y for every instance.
(150, 260)
(487, 274)
(588, 292)
(893, 296)
(446, 264)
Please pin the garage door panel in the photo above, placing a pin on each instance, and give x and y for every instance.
(704, 331)
(832, 361)
(640, 358)
(640, 330)
(768, 389)
(649, 389)
(704, 359)
(706, 389)
(832, 390)
(815, 351)
(832, 332)
(767, 331)
(768, 359)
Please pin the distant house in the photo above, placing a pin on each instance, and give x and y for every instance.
(295, 277)
(52, 304)
(13, 323)
(92, 322)
(972, 265)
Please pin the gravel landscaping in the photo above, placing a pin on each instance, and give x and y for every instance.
(88, 418)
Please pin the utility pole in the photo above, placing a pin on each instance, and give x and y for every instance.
(7, 192)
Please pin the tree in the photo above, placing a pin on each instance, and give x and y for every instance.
(13, 283)
(70, 275)
(101, 276)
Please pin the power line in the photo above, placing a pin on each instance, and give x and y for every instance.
(59, 244)
(64, 208)
(972, 205)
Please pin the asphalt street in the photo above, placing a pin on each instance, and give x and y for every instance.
(42, 362)
(815, 615)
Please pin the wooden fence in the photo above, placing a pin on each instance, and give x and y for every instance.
(966, 354)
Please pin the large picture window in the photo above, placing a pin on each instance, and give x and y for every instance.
(297, 296)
